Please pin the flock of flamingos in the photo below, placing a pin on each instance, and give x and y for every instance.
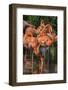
(43, 36)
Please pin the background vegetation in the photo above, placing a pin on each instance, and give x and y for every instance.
(35, 20)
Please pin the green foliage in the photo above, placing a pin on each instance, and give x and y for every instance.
(35, 20)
